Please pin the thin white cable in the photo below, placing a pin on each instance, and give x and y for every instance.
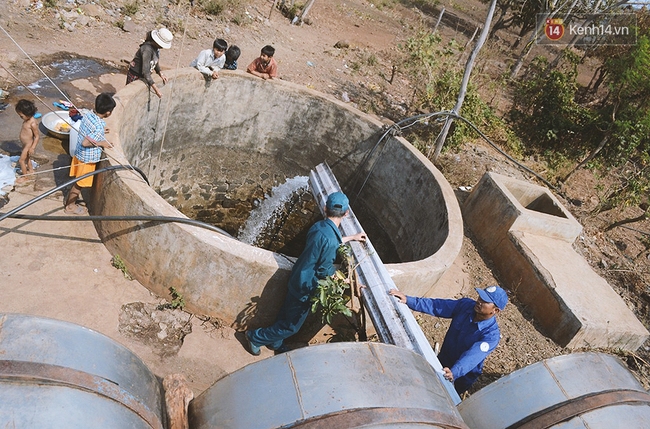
(33, 62)
(54, 169)
(171, 92)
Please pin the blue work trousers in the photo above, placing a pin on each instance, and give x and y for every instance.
(462, 384)
(290, 319)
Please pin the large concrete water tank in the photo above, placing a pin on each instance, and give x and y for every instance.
(337, 385)
(576, 391)
(55, 374)
(213, 149)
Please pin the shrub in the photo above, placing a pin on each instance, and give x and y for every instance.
(130, 8)
(212, 7)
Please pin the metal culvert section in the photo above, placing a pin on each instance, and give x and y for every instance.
(336, 385)
(576, 391)
(214, 149)
(55, 374)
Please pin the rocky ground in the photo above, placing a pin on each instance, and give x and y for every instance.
(347, 50)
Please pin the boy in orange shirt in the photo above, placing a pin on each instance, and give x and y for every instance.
(264, 66)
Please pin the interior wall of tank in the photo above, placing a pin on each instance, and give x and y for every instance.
(226, 142)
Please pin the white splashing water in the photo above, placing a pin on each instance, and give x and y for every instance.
(265, 215)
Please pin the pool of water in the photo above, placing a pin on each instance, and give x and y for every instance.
(60, 72)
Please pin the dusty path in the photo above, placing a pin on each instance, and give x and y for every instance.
(62, 270)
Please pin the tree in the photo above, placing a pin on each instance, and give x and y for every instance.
(615, 125)
(545, 110)
(522, 14)
(553, 9)
(628, 104)
(440, 141)
(564, 9)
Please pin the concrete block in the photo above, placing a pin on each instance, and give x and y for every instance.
(528, 235)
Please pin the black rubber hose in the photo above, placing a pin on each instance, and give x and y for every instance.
(134, 218)
(70, 182)
(12, 213)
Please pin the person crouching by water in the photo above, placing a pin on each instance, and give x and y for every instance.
(472, 335)
(314, 263)
(145, 61)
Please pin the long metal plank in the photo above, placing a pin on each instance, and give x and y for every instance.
(393, 321)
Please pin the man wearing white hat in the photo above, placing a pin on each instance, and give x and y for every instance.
(472, 335)
(145, 61)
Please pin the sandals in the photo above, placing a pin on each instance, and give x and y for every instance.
(77, 210)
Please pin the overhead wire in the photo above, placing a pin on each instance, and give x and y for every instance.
(399, 126)
(392, 129)
(14, 212)
(152, 218)
(30, 91)
(36, 65)
(50, 170)
(62, 186)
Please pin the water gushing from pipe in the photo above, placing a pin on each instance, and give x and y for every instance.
(265, 216)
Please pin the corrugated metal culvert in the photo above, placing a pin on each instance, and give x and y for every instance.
(576, 391)
(338, 385)
(55, 374)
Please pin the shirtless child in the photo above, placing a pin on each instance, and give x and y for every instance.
(29, 136)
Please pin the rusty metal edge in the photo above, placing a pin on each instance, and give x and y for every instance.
(349, 419)
(42, 373)
(570, 408)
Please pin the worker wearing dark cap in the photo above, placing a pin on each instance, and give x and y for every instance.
(472, 335)
(316, 262)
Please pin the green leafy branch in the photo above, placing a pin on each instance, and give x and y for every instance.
(176, 302)
(333, 293)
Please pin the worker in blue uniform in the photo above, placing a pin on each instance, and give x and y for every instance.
(472, 335)
(315, 262)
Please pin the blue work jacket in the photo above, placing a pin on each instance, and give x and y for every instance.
(317, 259)
(467, 343)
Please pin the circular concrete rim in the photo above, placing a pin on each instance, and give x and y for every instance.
(425, 272)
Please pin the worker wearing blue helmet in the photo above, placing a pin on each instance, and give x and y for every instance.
(314, 263)
(472, 335)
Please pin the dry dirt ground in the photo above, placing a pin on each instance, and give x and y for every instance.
(306, 55)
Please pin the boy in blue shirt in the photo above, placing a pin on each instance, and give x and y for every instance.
(472, 335)
(90, 144)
